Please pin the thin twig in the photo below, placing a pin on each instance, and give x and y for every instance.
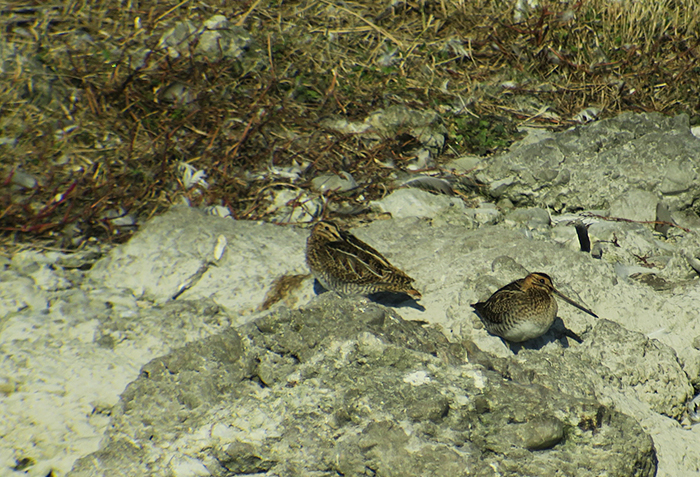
(361, 18)
(242, 20)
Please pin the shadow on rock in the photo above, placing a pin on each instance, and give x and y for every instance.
(557, 333)
(390, 299)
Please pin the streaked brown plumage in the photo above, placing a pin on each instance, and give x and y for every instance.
(345, 264)
(523, 309)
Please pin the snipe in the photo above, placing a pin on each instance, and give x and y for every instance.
(345, 264)
(523, 309)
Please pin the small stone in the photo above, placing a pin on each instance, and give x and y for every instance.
(542, 433)
(587, 115)
(218, 211)
(334, 182)
(179, 93)
(8, 141)
(293, 206)
(176, 39)
(485, 214)
(464, 164)
(221, 40)
(422, 160)
(680, 176)
(244, 458)
(404, 203)
(597, 250)
(533, 217)
(23, 179)
(663, 215)
(696, 342)
(505, 204)
(435, 185)
(533, 136)
(427, 403)
(635, 204)
(119, 218)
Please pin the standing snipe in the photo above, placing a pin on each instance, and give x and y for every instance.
(523, 309)
(345, 264)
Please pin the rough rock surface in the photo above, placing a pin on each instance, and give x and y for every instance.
(76, 328)
(590, 167)
(347, 387)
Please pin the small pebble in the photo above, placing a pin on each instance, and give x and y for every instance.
(696, 342)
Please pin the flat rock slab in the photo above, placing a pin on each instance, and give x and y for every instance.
(176, 255)
(347, 387)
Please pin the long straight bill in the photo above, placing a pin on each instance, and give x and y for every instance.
(572, 302)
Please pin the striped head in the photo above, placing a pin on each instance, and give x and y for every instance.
(542, 281)
(538, 281)
(326, 231)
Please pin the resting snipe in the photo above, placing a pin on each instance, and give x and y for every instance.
(523, 309)
(345, 264)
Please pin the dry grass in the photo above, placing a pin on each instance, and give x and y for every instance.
(86, 110)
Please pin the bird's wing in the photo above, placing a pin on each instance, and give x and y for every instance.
(360, 262)
(500, 304)
(516, 286)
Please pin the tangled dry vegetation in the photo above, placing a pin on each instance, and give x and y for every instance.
(92, 136)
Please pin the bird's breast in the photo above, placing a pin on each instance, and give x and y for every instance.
(526, 330)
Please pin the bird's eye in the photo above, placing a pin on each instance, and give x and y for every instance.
(542, 281)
